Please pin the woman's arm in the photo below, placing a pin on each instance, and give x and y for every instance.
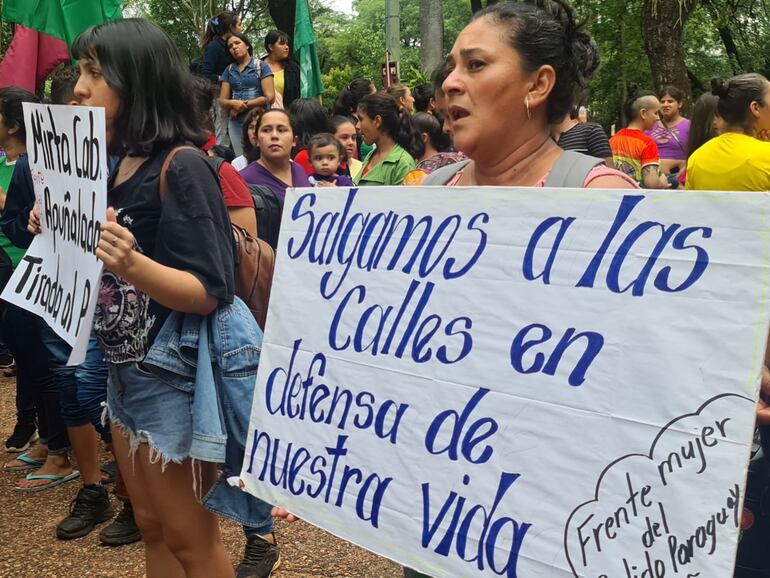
(225, 92)
(268, 89)
(172, 288)
(244, 217)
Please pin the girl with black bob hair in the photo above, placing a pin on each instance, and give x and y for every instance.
(156, 93)
(164, 252)
(389, 126)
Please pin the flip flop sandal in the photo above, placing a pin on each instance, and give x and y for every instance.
(54, 481)
(29, 464)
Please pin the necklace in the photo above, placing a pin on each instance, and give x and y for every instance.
(128, 167)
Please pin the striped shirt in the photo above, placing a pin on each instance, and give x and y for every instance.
(588, 138)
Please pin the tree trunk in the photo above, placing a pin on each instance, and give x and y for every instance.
(431, 34)
(725, 34)
(663, 27)
(695, 82)
(282, 13)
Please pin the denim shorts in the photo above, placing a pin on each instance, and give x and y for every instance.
(148, 409)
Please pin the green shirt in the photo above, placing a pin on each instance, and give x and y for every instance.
(6, 172)
(390, 171)
(365, 149)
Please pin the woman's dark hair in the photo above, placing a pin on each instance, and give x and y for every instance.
(63, 82)
(349, 97)
(223, 152)
(261, 114)
(423, 94)
(674, 92)
(11, 99)
(250, 151)
(243, 39)
(702, 122)
(736, 95)
(308, 118)
(430, 125)
(218, 26)
(204, 99)
(325, 139)
(339, 119)
(439, 76)
(157, 96)
(275, 36)
(397, 123)
(546, 32)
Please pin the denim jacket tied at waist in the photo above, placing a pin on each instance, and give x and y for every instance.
(215, 358)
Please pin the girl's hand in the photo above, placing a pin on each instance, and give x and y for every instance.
(116, 246)
(33, 221)
(327, 183)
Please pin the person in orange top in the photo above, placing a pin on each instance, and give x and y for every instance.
(635, 153)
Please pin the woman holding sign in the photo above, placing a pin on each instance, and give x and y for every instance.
(162, 253)
(522, 62)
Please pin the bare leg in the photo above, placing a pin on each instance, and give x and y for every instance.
(159, 561)
(190, 532)
(85, 444)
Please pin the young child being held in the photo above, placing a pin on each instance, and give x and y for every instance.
(325, 153)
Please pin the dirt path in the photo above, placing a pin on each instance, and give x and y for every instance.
(29, 548)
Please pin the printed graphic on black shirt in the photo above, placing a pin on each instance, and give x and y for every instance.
(123, 320)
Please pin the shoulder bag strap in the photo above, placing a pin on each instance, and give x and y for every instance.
(571, 170)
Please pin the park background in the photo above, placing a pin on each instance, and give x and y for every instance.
(643, 43)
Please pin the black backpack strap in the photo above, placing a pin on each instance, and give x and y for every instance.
(445, 174)
(571, 170)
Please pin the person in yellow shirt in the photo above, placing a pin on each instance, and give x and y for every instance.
(738, 159)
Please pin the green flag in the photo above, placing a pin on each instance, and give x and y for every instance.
(311, 84)
(63, 19)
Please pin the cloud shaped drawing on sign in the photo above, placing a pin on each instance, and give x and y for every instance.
(671, 512)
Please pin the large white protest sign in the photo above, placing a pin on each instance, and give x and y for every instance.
(516, 382)
(58, 278)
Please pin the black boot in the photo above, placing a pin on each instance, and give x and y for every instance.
(260, 558)
(90, 507)
(123, 529)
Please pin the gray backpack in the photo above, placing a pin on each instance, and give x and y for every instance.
(569, 170)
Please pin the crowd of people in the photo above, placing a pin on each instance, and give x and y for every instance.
(167, 245)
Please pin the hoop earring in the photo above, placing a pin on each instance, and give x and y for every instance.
(526, 104)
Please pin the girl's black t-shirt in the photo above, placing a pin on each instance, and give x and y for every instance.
(188, 230)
